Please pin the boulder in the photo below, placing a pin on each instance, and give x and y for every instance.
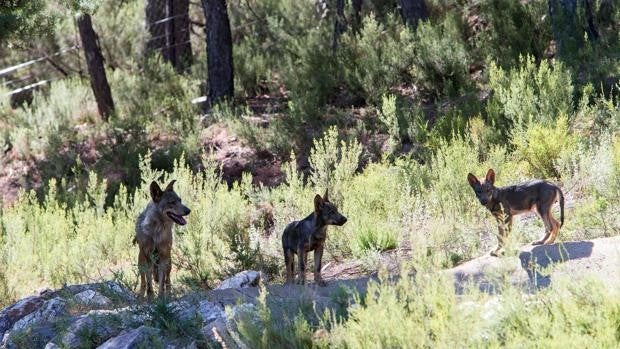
(247, 278)
(92, 298)
(141, 337)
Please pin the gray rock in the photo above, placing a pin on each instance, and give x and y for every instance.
(110, 288)
(11, 314)
(31, 337)
(241, 312)
(183, 310)
(210, 312)
(49, 311)
(217, 332)
(92, 329)
(92, 298)
(141, 337)
(247, 278)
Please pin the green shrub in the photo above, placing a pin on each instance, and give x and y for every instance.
(310, 75)
(377, 58)
(513, 29)
(372, 203)
(333, 163)
(441, 58)
(538, 93)
(542, 146)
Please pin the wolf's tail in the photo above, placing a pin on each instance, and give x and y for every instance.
(561, 207)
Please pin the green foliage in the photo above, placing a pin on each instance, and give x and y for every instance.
(513, 29)
(542, 146)
(376, 59)
(21, 20)
(441, 59)
(533, 92)
(310, 76)
(333, 163)
(427, 314)
(259, 328)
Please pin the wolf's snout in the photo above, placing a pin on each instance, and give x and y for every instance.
(342, 220)
(187, 211)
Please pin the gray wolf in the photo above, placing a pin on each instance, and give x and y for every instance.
(505, 202)
(308, 234)
(154, 237)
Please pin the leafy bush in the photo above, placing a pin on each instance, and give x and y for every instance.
(513, 29)
(441, 59)
(542, 146)
(377, 58)
(311, 76)
(333, 163)
(538, 93)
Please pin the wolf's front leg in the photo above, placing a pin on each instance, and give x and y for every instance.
(289, 261)
(162, 271)
(318, 256)
(143, 269)
(504, 225)
(302, 256)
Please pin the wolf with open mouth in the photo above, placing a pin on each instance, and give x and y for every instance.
(154, 237)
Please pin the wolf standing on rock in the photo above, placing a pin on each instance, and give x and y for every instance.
(154, 237)
(308, 234)
(505, 202)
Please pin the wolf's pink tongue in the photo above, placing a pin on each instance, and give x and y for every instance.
(182, 220)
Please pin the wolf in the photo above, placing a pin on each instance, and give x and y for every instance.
(154, 237)
(308, 234)
(505, 202)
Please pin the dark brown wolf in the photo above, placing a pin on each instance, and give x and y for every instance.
(154, 237)
(505, 202)
(308, 234)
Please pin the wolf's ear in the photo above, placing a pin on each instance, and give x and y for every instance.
(170, 186)
(325, 197)
(472, 179)
(318, 202)
(490, 176)
(156, 192)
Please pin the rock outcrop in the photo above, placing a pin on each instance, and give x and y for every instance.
(536, 267)
(106, 315)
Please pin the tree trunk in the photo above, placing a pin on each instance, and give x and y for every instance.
(339, 23)
(181, 46)
(169, 26)
(591, 28)
(96, 70)
(219, 52)
(156, 14)
(356, 14)
(567, 30)
(413, 11)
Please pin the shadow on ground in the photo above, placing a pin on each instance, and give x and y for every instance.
(536, 261)
(535, 267)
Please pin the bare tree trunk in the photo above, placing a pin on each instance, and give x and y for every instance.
(356, 14)
(339, 23)
(181, 45)
(567, 30)
(96, 70)
(591, 28)
(169, 26)
(413, 11)
(219, 52)
(156, 13)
